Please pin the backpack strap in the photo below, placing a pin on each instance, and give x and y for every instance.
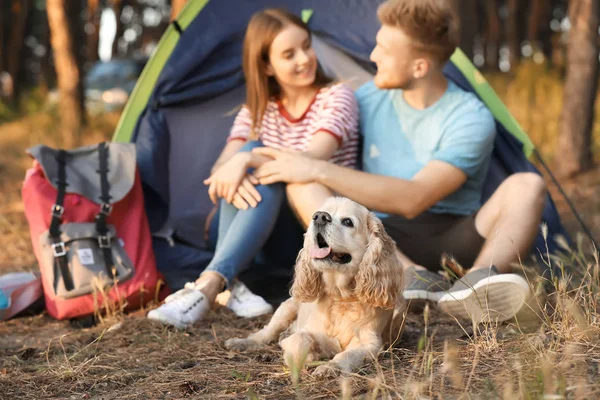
(105, 209)
(58, 247)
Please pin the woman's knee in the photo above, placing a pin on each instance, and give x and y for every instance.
(275, 191)
(251, 144)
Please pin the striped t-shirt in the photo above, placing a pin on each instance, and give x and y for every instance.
(333, 110)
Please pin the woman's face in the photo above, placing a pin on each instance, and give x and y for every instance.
(292, 60)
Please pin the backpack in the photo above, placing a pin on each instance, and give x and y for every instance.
(89, 230)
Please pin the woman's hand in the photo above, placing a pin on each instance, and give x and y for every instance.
(224, 182)
(247, 195)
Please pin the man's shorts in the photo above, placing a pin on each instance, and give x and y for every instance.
(426, 238)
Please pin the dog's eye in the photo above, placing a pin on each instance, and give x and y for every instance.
(348, 222)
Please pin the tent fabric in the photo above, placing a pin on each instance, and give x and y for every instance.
(189, 110)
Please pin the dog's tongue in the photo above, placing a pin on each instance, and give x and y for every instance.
(316, 252)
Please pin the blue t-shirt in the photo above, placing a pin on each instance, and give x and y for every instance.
(400, 140)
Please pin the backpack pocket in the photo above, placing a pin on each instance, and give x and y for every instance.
(83, 260)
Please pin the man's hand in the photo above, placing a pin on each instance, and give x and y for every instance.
(247, 195)
(287, 166)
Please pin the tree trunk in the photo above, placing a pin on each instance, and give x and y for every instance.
(513, 36)
(538, 26)
(68, 67)
(117, 7)
(466, 12)
(492, 35)
(93, 30)
(20, 12)
(574, 142)
(176, 7)
(47, 73)
(5, 16)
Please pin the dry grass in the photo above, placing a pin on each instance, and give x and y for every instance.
(551, 351)
(553, 356)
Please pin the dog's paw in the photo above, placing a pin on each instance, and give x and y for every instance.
(328, 370)
(238, 344)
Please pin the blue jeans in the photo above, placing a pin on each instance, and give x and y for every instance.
(242, 234)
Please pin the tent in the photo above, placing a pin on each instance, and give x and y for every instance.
(184, 103)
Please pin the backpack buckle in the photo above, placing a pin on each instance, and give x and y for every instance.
(57, 211)
(104, 242)
(105, 209)
(59, 249)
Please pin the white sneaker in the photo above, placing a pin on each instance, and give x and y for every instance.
(244, 303)
(182, 308)
(485, 295)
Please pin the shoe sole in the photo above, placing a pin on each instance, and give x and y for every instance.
(252, 310)
(253, 313)
(422, 295)
(496, 298)
(156, 315)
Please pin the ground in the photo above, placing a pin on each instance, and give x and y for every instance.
(551, 350)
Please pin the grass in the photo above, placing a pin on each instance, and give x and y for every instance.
(551, 351)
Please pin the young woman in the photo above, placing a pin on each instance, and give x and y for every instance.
(290, 104)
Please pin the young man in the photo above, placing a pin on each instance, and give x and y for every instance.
(427, 148)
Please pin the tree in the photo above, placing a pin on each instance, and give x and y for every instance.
(14, 53)
(514, 31)
(64, 28)
(117, 7)
(4, 25)
(5, 16)
(492, 34)
(538, 26)
(47, 73)
(93, 30)
(466, 12)
(176, 7)
(574, 142)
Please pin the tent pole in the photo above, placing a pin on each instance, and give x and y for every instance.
(564, 194)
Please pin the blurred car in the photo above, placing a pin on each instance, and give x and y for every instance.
(109, 84)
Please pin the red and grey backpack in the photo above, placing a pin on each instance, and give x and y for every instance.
(89, 230)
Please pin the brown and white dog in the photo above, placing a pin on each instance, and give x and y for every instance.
(346, 297)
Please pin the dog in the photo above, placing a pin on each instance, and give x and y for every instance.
(346, 296)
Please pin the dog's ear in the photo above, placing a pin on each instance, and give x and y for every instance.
(379, 277)
(308, 283)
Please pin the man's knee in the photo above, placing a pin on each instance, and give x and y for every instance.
(526, 186)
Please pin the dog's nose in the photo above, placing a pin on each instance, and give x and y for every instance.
(321, 218)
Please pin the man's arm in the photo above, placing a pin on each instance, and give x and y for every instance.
(407, 198)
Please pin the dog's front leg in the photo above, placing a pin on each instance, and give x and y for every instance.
(352, 357)
(284, 316)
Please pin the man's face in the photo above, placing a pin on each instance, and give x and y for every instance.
(395, 59)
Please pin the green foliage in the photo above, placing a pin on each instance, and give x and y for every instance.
(34, 101)
(6, 113)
